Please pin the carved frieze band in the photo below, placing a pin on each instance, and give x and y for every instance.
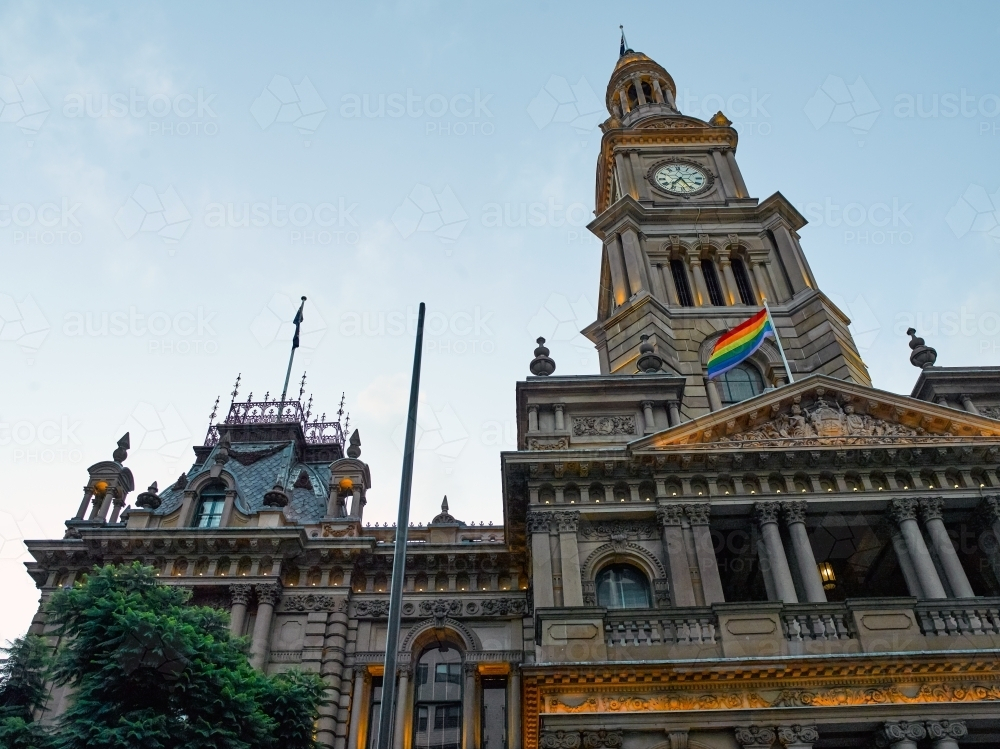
(442, 607)
(603, 426)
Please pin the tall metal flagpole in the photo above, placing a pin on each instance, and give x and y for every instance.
(389, 696)
(295, 344)
(777, 339)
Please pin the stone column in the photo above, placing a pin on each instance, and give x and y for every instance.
(357, 502)
(904, 512)
(647, 415)
(541, 558)
(87, 496)
(708, 566)
(767, 518)
(616, 262)
(532, 418)
(268, 596)
(714, 400)
(968, 405)
(763, 287)
(899, 734)
(239, 594)
(358, 703)
(906, 565)
(795, 516)
(470, 706)
(798, 737)
(931, 510)
(668, 281)
(990, 512)
(755, 737)
(731, 290)
(674, 410)
(332, 669)
(402, 702)
(514, 707)
(558, 409)
(944, 734)
(567, 523)
(700, 289)
(670, 519)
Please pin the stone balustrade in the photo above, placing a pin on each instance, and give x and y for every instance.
(954, 617)
(680, 627)
(816, 622)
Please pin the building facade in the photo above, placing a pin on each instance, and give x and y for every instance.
(737, 563)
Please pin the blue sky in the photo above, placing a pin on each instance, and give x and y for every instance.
(174, 176)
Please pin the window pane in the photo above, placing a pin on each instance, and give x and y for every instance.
(437, 713)
(494, 720)
(739, 384)
(622, 586)
(374, 712)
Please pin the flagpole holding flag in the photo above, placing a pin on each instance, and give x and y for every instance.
(295, 344)
(777, 340)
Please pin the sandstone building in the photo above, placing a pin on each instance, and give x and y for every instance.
(732, 564)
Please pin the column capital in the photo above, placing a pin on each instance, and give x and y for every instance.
(647, 404)
(539, 522)
(990, 508)
(932, 508)
(946, 729)
(532, 407)
(670, 515)
(903, 509)
(567, 522)
(753, 737)
(797, 735)
(404, 672)
(698, 513)
(470, 669)
(269, 593)
(895, 731)
(766, 512)
(557, 406)
(795, 512)
(240, 593)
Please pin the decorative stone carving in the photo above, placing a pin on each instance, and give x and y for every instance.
(990, 412)
(892, 732)
(698, 514)
(754, 737)
(990, 508)
(633, 530)
(249, 457)
(374, 609)
(268, 593)
(797, 735)
(559, 740)
(542, 365)
(539, 443)
(567, 522)
(600, 739)
(670, 515)
(932, 508)
(903, 509)
(240, 593)
(149, 498)
(946, 729)
(334, 531)
(503, 606)
(603, 426)
(539, 522)
(767, 512)
(661, 591)
(441, 608)
(314, 602)
(795, 512)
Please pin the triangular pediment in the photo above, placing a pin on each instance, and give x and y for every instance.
(822, 411)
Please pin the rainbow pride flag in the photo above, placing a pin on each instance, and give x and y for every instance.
(737, 344)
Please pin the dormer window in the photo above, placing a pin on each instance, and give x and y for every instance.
(210, 504)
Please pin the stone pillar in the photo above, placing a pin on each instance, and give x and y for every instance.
(942, 401)
(700, 289)
(767, 518)
(239, 594)
(116, 508)
(87, 495)
(763, 288)
(332, 669)
(731, 290)
(674, 410)
(755, 737)
(968, 405)
(714, 400)
(795, 264)
(671, 518)
(899, 734)
(268, 595)
(567, 523)
(541, 558)
(532, 418)
(904, 512)
(357, 502)
(795, 516)
(402, 702)
(708, 566)
(647, 415)
(514, 707)
(797, 737)
(944, 734)
(931, 509)
(358, 702)
(906, 565)
(635, 261)
(558, 409)
(470, 707)
(668, 281)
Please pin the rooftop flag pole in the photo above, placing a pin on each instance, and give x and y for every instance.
(295, 344)
(777, 339)
(389, 696)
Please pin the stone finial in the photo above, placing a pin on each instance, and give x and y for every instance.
(276, 497)
(354, 451)
(923, 356)
(542, 365)
(149, 498)
(444, 516)
(182, 481)
(444, 504)
(720, 120)
(649, 362)
(121, 453)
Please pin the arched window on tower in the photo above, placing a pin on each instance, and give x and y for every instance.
(437, 695)
(679, 275)
(740, 383)
(712, 282)
(622, 586)
(743, 282)
(211, 500)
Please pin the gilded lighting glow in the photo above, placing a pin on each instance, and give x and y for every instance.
(827, 575)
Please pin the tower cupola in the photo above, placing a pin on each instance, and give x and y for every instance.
(639, 88)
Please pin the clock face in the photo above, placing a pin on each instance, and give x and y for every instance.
(682, 179)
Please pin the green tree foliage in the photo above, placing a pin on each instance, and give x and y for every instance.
(23, 693)
(150, 671)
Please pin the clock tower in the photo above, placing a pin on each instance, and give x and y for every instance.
(688, 253)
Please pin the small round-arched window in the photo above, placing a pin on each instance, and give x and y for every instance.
(740, 383)
(211, 502)
(622, 586)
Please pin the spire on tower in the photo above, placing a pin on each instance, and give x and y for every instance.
(623, 48)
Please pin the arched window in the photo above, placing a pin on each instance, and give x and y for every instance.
(739, 383)
(437, 708)
(622, 586)
(712, 282)
(210, 503)
(679, 275)
(743, 282)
